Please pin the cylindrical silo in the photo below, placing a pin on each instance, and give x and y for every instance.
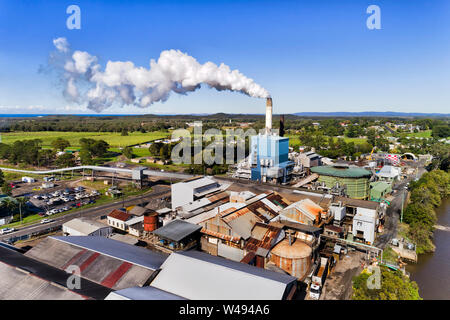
(151, 222)
(295, 259)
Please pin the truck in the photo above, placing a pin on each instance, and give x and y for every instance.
(28, 179)
(318, 279)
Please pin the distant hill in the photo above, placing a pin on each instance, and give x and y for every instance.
(370, 114)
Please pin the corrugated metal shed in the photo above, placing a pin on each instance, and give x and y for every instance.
(200, 276)
(177, 230)
(84, 226)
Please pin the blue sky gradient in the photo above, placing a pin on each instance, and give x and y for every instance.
(310, 55)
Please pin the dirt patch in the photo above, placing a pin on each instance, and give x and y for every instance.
(338, 285)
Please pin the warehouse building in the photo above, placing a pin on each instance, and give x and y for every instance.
(379, 190)
(178, 235)
(85, 227)
(196, 275)
(18, 284)
(24, 278)
(187, 191)
(110, 263)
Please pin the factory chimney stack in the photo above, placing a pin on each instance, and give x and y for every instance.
(268, 115)
(282, 125)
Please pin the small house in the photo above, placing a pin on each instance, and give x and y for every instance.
(117, 219)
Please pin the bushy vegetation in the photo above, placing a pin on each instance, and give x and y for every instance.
(394, 286)
(426, 194)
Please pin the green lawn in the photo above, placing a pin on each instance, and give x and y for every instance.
(421, 134)
(113, 139)
(295, 141)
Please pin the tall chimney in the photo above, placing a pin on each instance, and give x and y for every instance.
(282, 125)
(268, 115)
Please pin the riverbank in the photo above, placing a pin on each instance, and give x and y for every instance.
(432, 272)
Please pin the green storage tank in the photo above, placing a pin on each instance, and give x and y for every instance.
(354, 178)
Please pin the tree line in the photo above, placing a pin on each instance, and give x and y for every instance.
(426, 194)
(30, 152)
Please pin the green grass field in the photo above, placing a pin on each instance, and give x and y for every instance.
(421, 134)
(295, 141)
(113, 139)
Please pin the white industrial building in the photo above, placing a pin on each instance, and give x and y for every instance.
(28, 180)
(85, 227)
(364, 224)
(196, 275)
(389, 173)
(187, 191)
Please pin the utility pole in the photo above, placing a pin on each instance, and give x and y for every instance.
(403, 200)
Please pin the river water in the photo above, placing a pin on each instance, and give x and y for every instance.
(432, 272)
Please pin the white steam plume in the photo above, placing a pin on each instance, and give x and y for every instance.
(123, 83)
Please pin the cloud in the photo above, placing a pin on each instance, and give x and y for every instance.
(122, 83)
(61, 44)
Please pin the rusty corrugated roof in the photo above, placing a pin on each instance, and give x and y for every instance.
(219, 196)
(278, 200)
(262, 210)
(220, 235)
(120, 215)
(266, 241)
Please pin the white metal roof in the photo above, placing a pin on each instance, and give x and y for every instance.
(84, 226)
(198, 183)
(199, 276)
(134, 220)
(194, 205)
(142, 293)
(388, 172)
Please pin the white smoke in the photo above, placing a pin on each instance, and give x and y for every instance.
(123, 83)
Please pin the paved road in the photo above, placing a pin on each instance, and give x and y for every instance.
(392, 216)
(94, 212)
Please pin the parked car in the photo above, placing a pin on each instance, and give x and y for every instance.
(7, 230)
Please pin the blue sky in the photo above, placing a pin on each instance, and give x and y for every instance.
(311, 55)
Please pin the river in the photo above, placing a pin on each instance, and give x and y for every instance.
(432, 272)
